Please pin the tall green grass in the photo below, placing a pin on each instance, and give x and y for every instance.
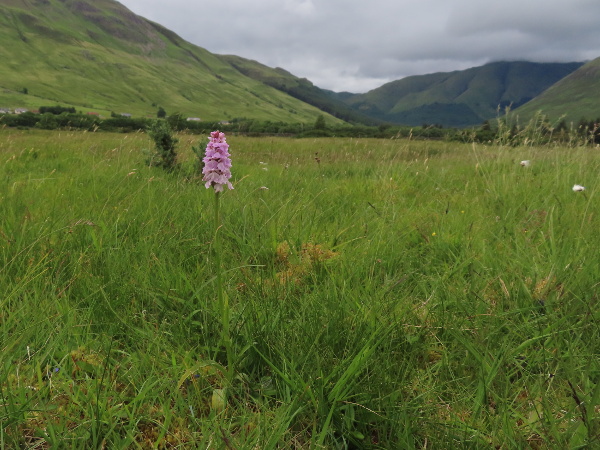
(382, 293)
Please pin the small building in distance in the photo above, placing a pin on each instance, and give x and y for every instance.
(194, 119)
(21, 110)
(125, 114)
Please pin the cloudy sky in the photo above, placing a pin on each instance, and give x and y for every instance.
(357, 45)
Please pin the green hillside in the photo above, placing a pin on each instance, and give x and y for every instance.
(299, 88)
(575, 97)
(460, 98)
(99, 56)
(96, 55)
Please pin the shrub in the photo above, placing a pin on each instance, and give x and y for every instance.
(124, 124)
(27, 119)
(56, 110)
(48, 122)
(165, 143)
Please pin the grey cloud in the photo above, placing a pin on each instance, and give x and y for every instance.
(356, 45)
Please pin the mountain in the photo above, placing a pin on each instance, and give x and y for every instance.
(97, 55)
(574, 97)
(459, 98)
(299, 88)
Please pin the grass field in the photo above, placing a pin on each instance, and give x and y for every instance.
(383, 294)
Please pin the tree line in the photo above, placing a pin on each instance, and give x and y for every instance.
(503, 131)
(53, 118)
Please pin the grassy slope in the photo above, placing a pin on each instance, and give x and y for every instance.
(459, 309)
(462, 97)
(574, 97)
(100, 56)
(300, 88)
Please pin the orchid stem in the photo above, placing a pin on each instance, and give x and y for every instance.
(222, 299)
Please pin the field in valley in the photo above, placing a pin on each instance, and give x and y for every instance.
(382, 294)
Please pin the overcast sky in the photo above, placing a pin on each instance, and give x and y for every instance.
(357, 45)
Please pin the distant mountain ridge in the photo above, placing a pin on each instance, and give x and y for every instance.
(452, 99)
(460, 98)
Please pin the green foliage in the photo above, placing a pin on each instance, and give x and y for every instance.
(506, 130)
(509, 130)
(56, 110)
(199, 151)
(588, 130)
(47, 122)
(27, 119)
(540, 131)
(161, 113)
(165, 142)
(124, 124)
(177, 122)
(320, 123)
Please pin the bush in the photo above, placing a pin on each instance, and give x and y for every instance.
(176, 122)
(48, 122)
(124, 124)
(27, 119)
(56, 110)
(165, 142)
(80, 121)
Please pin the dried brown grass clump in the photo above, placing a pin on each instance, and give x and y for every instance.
(296, 268)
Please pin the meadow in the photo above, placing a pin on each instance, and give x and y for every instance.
(383, 294)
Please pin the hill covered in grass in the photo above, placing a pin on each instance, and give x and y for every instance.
(99, 56)
(459, 98)
(300, 88)
(573, 98)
